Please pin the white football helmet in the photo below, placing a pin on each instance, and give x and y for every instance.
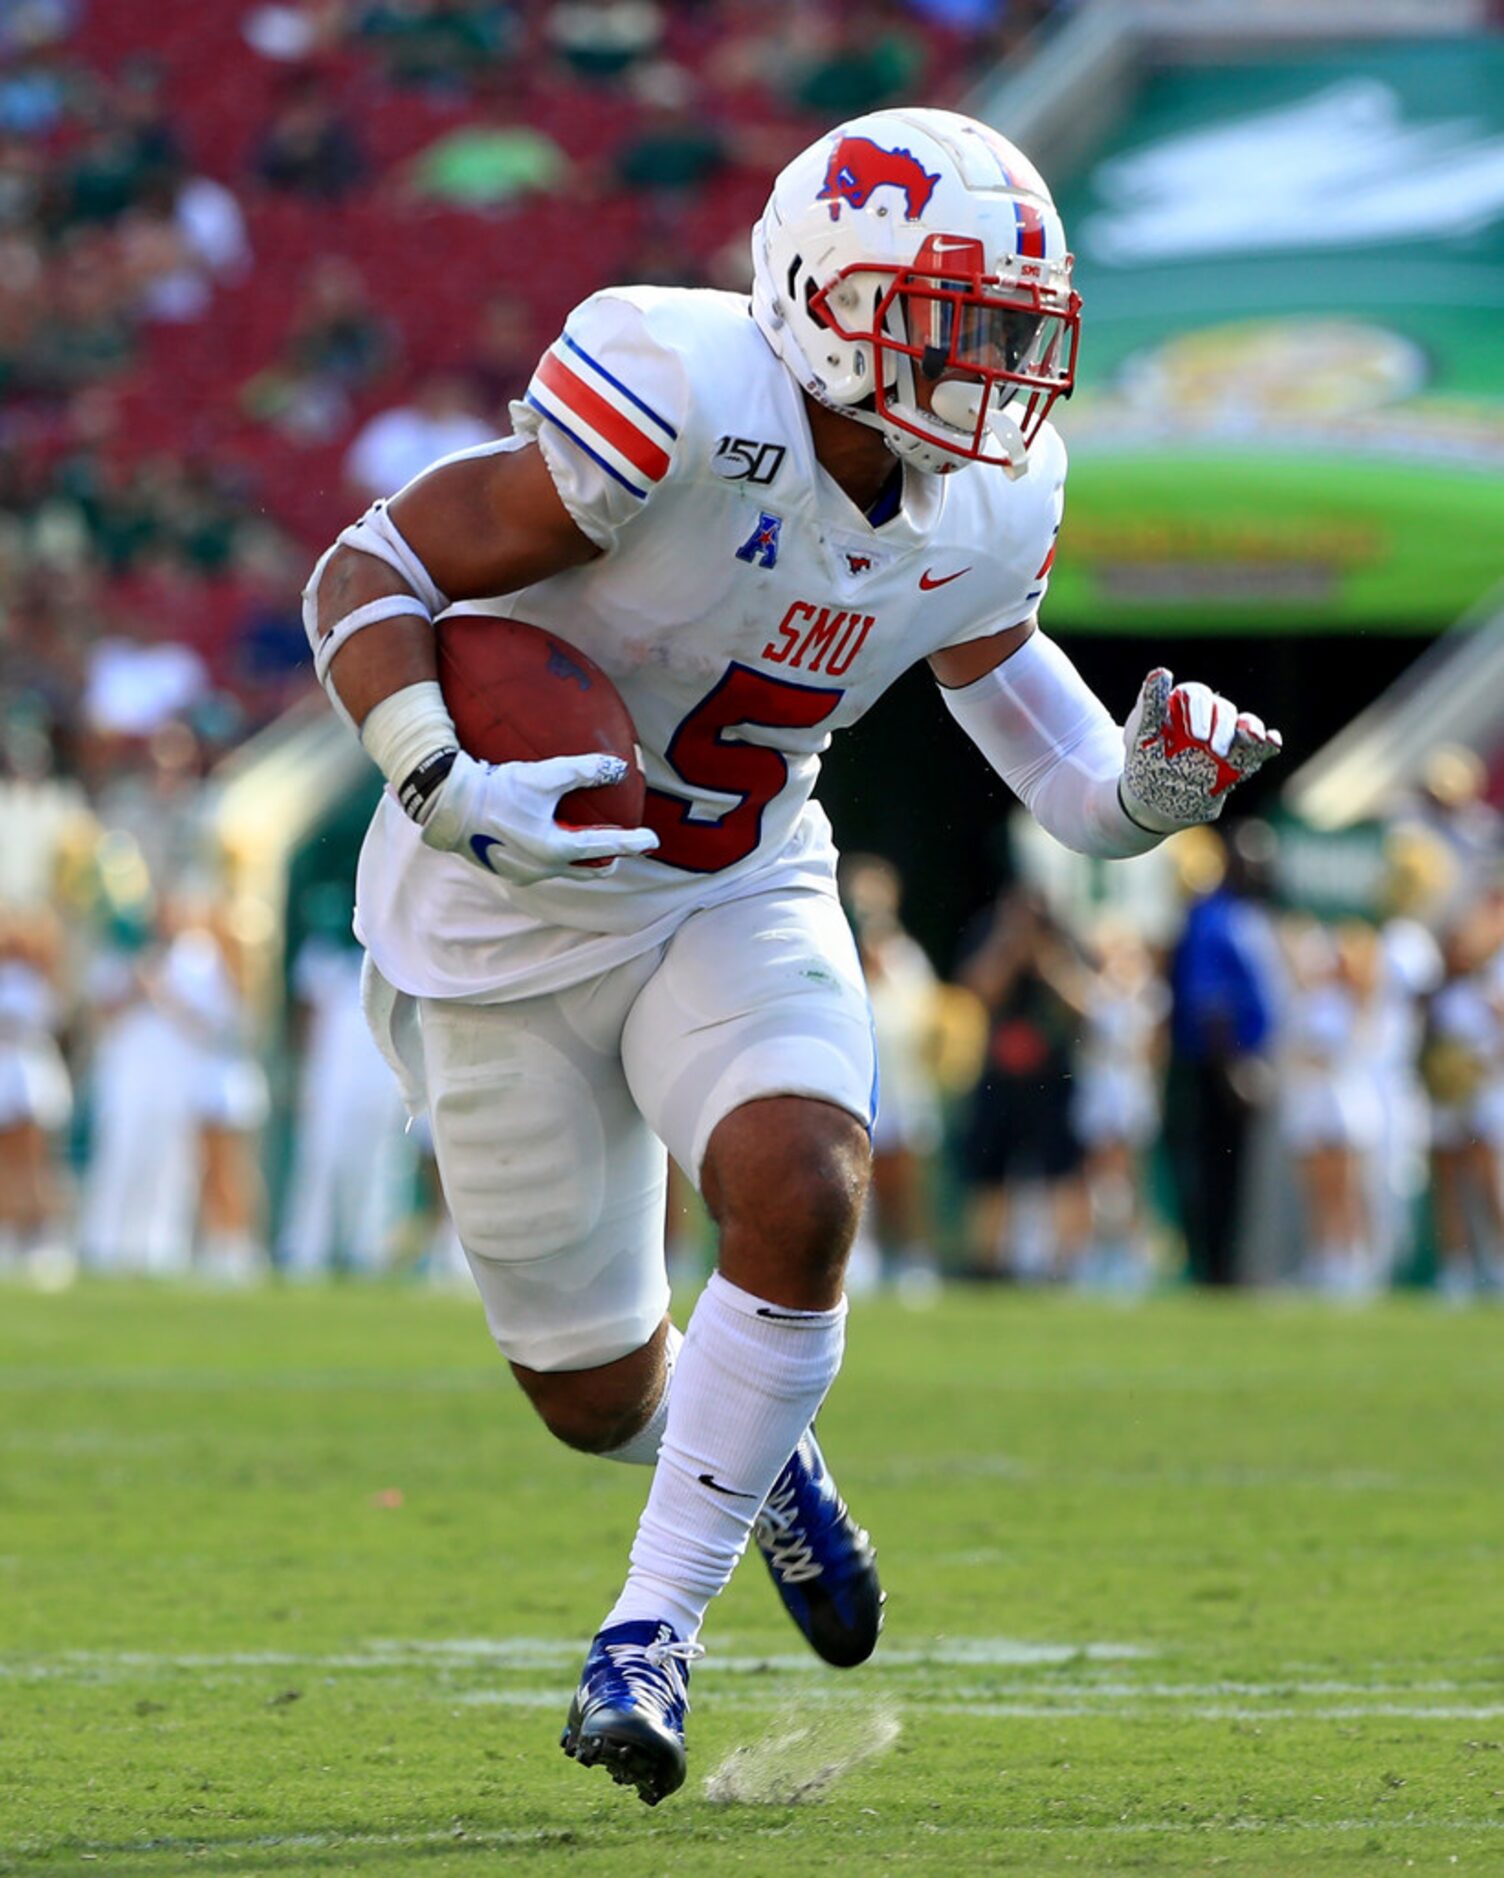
(918, 247)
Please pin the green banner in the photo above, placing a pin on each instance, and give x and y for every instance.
(1290, 412)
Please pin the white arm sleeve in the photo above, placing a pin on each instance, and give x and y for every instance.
(1050, 738)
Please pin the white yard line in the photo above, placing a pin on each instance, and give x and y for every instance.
(572, 1839)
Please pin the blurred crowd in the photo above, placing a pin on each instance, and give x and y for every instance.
(260, 261)
(1256, 1095)
(1267, 1096)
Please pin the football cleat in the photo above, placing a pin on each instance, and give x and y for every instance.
(628, 1712)
(822, 1562)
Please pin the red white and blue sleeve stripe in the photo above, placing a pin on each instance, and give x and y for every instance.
(602, 416)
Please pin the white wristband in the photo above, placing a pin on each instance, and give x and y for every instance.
(403, 735)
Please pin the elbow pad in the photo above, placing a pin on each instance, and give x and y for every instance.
(1050, 738)
(378, 535)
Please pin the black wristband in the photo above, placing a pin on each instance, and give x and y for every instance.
(418, 789)
(1123, 805)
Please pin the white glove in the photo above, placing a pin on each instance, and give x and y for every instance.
(1186, 747)
(501, 816)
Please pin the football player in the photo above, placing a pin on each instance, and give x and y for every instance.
(754, 516)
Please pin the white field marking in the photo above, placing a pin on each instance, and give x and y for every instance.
(1224, 1711)
(1112, 1829)
(802, 1754)
(817, 1702)
(545, 1835)
(555, 1653)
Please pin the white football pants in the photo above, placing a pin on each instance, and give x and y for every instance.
(551, 1114)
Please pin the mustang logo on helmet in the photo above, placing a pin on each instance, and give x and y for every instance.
(858, 166)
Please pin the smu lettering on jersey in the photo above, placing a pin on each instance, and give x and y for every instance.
(745, 608)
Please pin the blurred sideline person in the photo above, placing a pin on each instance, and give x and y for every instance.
(1224, 983)
(1116, 1108)
(1026, 1206)
(1408, 972)
(1463, 1068)
(227, 1096)
(36, 1097)
(912, 316)
(350, 1158)
(1329, 1106)
(140, 1185)
(897, 1233)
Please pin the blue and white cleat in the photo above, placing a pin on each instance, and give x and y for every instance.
(822, 1562)
(628, 1712)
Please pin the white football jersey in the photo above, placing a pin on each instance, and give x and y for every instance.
(744, 607)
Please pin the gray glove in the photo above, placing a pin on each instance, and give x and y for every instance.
(1186, 748)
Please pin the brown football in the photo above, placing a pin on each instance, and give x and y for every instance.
(519, 693)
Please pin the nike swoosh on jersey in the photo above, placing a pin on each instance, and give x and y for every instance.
(709, 1480)
(928, 584)
(481, 846)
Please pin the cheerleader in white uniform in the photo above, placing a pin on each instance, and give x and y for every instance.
(1463, 1068)
(1329, 1110)
(1116, 1104)
(351, 1161)
(229, 1100)
(36, 1097)
(140, 1183)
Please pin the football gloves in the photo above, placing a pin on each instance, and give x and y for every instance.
(502, 817)
(1186, 748)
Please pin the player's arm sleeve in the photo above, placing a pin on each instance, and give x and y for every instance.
(1051, 739)
(607, 406)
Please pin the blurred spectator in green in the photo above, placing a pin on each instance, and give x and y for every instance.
(853, 62)
(486, 166)
(309, 148)
(600, 39)
(444, 44)
(337, 344)
(677, 147)
(131, 147)
(88, 334)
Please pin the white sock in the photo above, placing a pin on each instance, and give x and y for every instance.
(641, 1450)
(750, 1378)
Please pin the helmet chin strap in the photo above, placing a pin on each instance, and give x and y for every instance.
(957, 402)
(955, 405)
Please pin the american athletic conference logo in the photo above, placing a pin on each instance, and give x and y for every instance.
(761, 546)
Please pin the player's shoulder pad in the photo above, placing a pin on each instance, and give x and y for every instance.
(612, 385)
(1023, 513)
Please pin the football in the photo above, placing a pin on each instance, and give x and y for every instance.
(518, 693)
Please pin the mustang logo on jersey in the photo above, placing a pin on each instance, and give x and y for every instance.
(857, 166)
(761, 545)
(820, 638)
(745, 460)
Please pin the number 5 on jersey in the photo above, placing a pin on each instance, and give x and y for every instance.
(707, 754)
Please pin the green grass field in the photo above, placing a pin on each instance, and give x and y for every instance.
(293, 1583)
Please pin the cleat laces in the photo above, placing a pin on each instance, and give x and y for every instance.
(782, 1539)
(652, 1674)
